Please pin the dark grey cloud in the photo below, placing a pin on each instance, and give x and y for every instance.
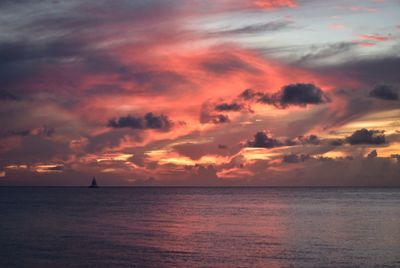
(337, 142)
(110, 139)
(44, 131)
(26, 60)
(262, 140)
(156, 80)
(105, 89)
(195, 151)
(357, 106)
(271, 26)
(36, 149)
(303, 140)
(225, 63)
(157, 121)
(301, 95)
(365, 136)
(222, 146)
(396, 156)
(372, 154)
(249, 94)
(208, 115)
(26, 54)
(372, 70)
(22, 133)
(320, 52)
(295, 158)
(384, 92)
(228, 107)
(148, 121)
(220, 119)
(252, 95)
(6, 95)
(311, 139)
(290, 142)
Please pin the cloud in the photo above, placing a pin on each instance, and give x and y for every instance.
(224, 63)
(365, 136)
(303, 140)
(208, 115)
(359, 9)
(204, 175)
(219, 119)
(213, 118)
(41, 131)
(48, 168)
(301, 95)
(157, 122)
(249, 94)
(372, 154)
(26, 59)
(384, 92)
(6, 95)
(376, 37)
(320, 52)
(262, 140)
(85, 64)
(22, 133)
(228, 107)
(148, 121)
(396, 156)
(337, 142)
(311, 139)
(193, 150)
(371, 70)
(295, 158)
(272, 4)
(336, 26)
(33, 149)
(257, 28)
(109, 140)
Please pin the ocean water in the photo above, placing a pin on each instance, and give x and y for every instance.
(199, 227)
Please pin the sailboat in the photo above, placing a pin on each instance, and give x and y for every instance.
(94, 183)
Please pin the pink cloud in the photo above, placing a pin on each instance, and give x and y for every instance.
(360, 9)
(271, 4)
(366, 44)
(337, 26)
(376, 37)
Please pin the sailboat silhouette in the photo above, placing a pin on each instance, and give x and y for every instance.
(94, 183)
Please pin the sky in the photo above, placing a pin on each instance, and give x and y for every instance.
(200, 93)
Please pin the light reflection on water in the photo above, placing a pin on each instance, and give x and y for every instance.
(199, 227)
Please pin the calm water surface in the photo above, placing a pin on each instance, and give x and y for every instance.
(199, 227)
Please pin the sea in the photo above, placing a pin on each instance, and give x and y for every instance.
(199, 227)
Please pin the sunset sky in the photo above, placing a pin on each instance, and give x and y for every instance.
(191, 92)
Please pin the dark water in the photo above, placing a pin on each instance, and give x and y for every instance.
(199, 227)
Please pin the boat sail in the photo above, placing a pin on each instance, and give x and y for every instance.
(94, 183)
